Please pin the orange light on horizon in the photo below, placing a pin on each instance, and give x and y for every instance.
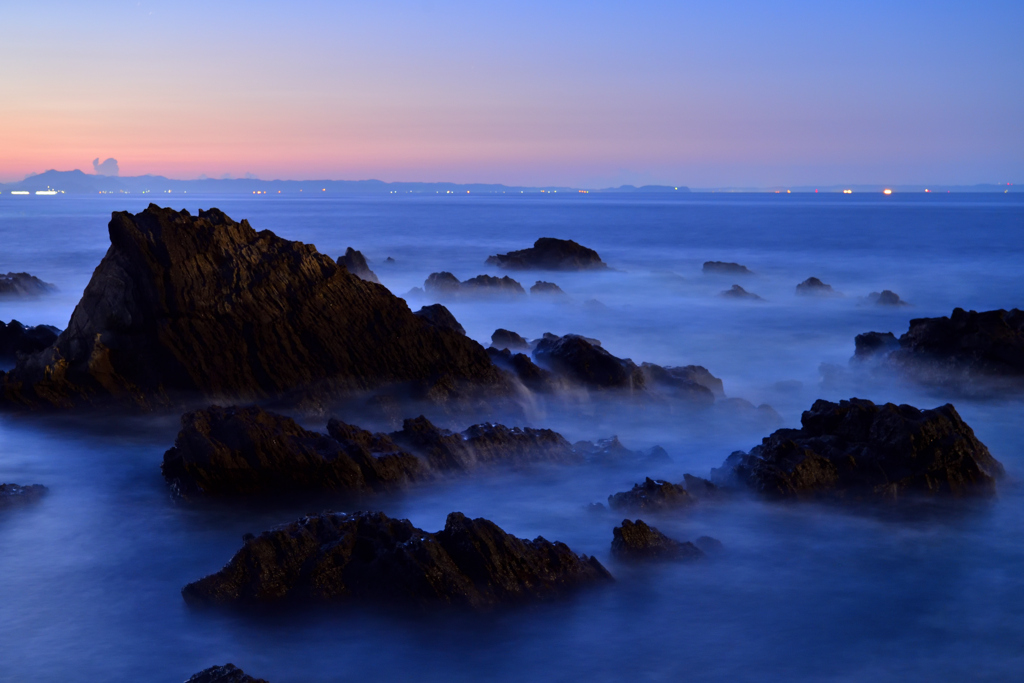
(886, 191)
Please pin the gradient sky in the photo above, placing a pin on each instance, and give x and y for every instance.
(727, 93)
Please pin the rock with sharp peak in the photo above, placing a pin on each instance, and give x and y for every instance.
(356, 264)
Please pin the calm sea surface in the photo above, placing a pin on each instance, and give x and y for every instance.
(90, 577)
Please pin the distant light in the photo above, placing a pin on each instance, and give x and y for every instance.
(20, 192)
(886, 191)
(845, 191)
(324, 190)
(927, 190)
(788, 192)
(46, 192)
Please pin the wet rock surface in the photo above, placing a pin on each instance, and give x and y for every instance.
(858, 450)
(229, 673)
(638, 541)
(872, 344)
(725, 268)
(355, 262)
(737, 292)
(584, 362)
(987, 344)
(17, 339)
(439, 316)
(14, 285)
(185, 305)
(15, 494)
(529, 373)
(652, 495)
(368, 556)
(548, 253)
(812, 286)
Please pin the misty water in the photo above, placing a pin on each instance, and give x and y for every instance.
(90, 577)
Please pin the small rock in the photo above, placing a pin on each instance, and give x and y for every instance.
(737, 292)
(709, 545)
(229, 673)
(725, 268)
(871, 344)
(24, 285)
(507, 339)
(887, 298)
(541, 288)
(549, 253)
(812, 286)
(638, 541)
(651, 495)
(15, 494)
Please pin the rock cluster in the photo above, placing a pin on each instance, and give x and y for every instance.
(16, 339)
(229, 673)
(858, 450)
(725, 268)
(15, 494)
(638, 541)
(24, 285)
(549, 253)
(367, 556)
(355, 263)
(444, 284)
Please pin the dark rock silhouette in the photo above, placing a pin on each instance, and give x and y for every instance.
(15, 494)
(184, 305)
(16, 339)
(812, 286)
(445, 284)
(855, 449)
(700, 488)
(689, 383)
(549, 253)
(987, 344)
(438, 315)
(871, 344)
(638, 541)
(229, 673)
(584, 362)
(651, 495)
(737, 292)
(389, 260)
(887, 298)
(709, 545)
(529, 373)
(541, 288)
(367, 556)
(506, 339)
(355, 262)
(725, 268)
(24, 285)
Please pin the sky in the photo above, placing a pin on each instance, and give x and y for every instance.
(732, 93)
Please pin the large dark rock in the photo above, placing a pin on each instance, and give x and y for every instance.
(204, 305)
(16, 339)
(692, 383)
(15, 494)
(887, 297)
(506, 339)
(229, 673)
(367, 556)
(856, 449)
(988, 344)
(638, 541)
(355, 262)
(812, 286)
(725, 268)
(584, 362)
(652, 495)
(438, 315)
(737, 292)
(872, 344)
(23, 285)
(444, 284)
(549, 253)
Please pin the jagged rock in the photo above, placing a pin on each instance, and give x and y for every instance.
(725, 268)
(887, 298)
(682, 382)
(529, 373)
(506, 339)
(438, 315)
(184, 305)
(737, 292)
(229, 673)
(856, 449)
(24, 285)
(355, 262)
(383, 464)
(15, 494)
(549, 253)
(541, 288)
(871, 344)
(638, 541)
(988, 344)
(651, 495)
(812, 286)
(700, 488)
(709, 545)
(338, 558)
(447, 285)
(443, 283)
(16, 339)
(583, 362)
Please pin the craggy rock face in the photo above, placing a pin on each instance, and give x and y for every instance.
(367, 556)
(16, 339)
(23, 285)
(585, 363)
(438, 315)
(812, 286)
(14, 494)
(229, 673)
(529, 373)
(204, 305)
(856, 449)
(638, 541)
(651, 495)
(355, 262)
(549, 253)
(725, 268)
(989, 343)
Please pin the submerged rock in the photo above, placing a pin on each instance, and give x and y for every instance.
(541, 288)
(23, 285)
(184, 305)
(549, 253)
(507, 339)
(367, 556)
(856, 449)
(812, 286)
(584, 362)
(229, 673)
(651, 495)
(737, 292)
(438, 315)
(638, 541)
(15, 494)
(355, 262)
(16, 339)
(887, 298)
(725, 268)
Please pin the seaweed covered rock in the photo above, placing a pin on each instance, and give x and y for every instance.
(13, 285)
(812, 286)
(16, 339)
(581, 361)
(367, 556)
(507, 339)
(737, 292)
(355, 262)
(651, 495)
(725, 268)
(989, 344)
(186, 305)
(438, 315)
(549, 253)
(229, 673)
(858, 450)
(691, 382)
(638, 541)
(15, 494)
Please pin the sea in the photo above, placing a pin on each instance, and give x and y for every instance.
(90, 577)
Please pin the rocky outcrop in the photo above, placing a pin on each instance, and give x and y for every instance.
(638, 541)
(229, 673)
(16, 339)
(583, 362)
(444, 284)
(506, 339)
(610, 451)
(858, 450)
(14, 285)
(439, 316)
(725, 268)
(549, 253)
(186, 305)
(338, 558)
(691, 383)
(541, 288)
(652, 495)
(533, 377)
(737, 292)
(988, 344)
(15, 494)
(700, 488)
(887, 298)
(355, 262)
(812, 286)
(873, 344)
